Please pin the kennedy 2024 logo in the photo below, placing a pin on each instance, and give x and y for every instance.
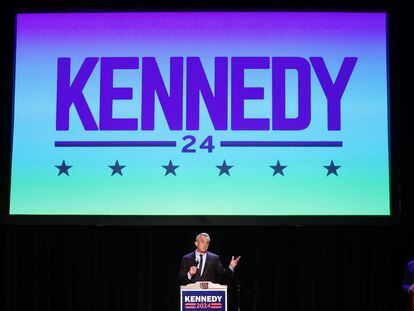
(224, 100)
(203, 300)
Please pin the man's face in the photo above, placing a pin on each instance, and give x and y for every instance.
(202, 244)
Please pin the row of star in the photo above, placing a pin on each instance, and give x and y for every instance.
(224, 168)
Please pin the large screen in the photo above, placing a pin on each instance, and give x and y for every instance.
(201, 113)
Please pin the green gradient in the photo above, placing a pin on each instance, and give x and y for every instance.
(144, 190)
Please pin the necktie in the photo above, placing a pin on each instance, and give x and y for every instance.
(201, 264)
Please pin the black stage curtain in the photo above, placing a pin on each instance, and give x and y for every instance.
(135, 268)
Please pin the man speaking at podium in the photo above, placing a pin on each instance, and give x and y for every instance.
(202, 265)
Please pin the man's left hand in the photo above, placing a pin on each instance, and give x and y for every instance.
(234, 262)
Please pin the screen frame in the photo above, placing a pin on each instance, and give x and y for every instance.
(97, 220)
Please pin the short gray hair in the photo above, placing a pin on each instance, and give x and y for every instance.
(203, 234)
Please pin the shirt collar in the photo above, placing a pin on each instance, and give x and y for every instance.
(198, 254)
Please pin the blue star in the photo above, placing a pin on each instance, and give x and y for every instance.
(332, 168)
(278, 169)
(116, 169)
(63, 168)
(224, 168)
(170, 168)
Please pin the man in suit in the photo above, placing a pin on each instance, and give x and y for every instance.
(408, 283)
(201, 265)
(408, 286)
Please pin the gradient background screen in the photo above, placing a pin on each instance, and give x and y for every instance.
(361, 185)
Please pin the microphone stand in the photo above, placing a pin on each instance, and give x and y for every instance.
(240, 286)
(238, 294)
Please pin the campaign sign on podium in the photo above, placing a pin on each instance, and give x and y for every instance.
(203, 296)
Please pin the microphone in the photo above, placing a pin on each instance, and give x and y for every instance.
(195, 264)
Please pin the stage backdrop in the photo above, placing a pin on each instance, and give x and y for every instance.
(201, 114)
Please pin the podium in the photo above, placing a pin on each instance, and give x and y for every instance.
(203, 296)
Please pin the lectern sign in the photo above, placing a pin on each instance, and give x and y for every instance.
(200, 297)
(237, 113)
(203, 300)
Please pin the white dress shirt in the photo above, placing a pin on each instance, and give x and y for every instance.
(198, 259)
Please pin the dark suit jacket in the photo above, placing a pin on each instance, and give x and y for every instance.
(213, 270)
(409, 276)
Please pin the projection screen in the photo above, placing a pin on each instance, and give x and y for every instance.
(201, 113)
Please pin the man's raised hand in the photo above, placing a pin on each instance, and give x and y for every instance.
(234, 262)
